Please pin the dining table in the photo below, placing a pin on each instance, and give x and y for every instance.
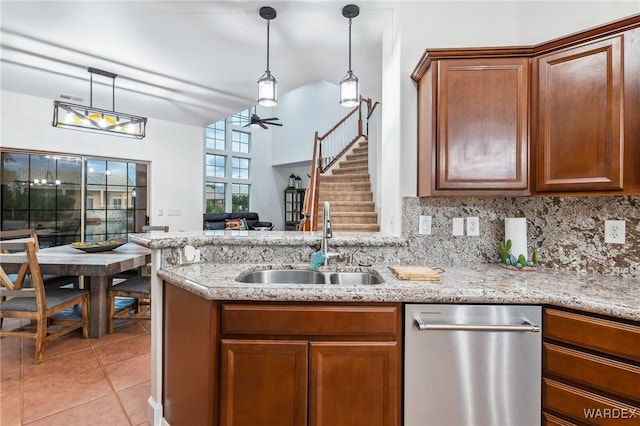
(97, 268)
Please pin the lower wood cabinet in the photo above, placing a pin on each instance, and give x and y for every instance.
(245, 363)
(591, 370)
(265, 382)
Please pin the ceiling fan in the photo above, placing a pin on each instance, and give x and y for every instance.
(262, 122)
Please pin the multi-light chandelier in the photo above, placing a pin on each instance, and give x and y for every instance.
(90, 119)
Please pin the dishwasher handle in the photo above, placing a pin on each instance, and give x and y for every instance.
(423, 326)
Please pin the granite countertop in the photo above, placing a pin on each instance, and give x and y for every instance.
(478, 283)
(159, 240)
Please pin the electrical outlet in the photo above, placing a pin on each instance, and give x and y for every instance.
(614, 231)
(189, 254)
(458, 226)
(424, 225)
(473, 226)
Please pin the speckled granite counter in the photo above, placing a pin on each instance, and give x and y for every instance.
(480, 283)
(263, 238)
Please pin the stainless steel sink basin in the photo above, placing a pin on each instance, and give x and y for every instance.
(354, 278)
(302, 276)
(282, 276)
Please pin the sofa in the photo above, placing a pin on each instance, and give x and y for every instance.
(218, 221)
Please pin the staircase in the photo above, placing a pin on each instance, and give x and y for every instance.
(347, 187)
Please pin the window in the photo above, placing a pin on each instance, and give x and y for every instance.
(240, 197)
(228, 176)
(216, 165)
(240, 141)
(44, 192)
(241, 118)
(216, 194)
(215, 136)
(115, 198)
(240, 168)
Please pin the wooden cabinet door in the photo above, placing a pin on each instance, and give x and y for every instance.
(354, 384)
(482, 125)
(190, 358)
(263, 383)
(579, 123)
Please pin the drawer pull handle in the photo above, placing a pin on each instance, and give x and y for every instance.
(423, 326)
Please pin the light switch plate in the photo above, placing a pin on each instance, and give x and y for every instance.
(458, 226)
(473, 226)
(614, 231)
(424, 225)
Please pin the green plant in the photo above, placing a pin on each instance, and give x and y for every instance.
(505, 250)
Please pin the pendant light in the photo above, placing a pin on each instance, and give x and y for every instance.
(349, 91)
(267, 84)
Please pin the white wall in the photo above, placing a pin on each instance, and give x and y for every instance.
(173, 150)
(266, 196)
(311, 108)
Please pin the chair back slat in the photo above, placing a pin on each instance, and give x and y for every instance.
(17, 235)
(29, 268)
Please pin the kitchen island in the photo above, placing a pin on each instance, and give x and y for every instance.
(206, 286)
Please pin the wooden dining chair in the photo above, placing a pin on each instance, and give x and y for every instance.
(42, 306)
(49, 280)
(134, 295)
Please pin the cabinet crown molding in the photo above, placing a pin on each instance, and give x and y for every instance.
(430, 54)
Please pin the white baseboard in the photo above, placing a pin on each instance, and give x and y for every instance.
(154, 413)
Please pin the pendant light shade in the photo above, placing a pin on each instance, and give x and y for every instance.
(349, 86)
(267, 84)
(95, 120)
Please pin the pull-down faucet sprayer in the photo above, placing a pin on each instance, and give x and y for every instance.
(326, 229)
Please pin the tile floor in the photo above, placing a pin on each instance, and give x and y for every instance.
(102, 381)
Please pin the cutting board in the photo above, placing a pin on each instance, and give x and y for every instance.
(415, 273)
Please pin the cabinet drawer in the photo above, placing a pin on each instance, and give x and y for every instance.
(611, 337)
(549, 420)
(614, 377)
(586, 407)
(308, 320)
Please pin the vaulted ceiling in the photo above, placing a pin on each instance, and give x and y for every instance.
(191, 62)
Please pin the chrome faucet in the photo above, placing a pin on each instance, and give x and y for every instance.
(326, 230)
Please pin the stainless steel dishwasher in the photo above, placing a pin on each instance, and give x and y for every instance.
(472, 365)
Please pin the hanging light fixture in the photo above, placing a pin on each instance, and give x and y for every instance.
(349, 91)
(267, 84)
(90, 119)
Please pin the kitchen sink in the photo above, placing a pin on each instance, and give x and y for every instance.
(302, 276)
(354, 278)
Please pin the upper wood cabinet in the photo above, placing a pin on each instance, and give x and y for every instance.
(473, 126)
(580, 138)
(559, 118)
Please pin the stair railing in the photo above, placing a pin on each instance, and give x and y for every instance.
(327, 150)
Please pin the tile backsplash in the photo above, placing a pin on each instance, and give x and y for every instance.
(567, 231)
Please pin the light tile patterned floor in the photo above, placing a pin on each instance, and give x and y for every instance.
(102, 381)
